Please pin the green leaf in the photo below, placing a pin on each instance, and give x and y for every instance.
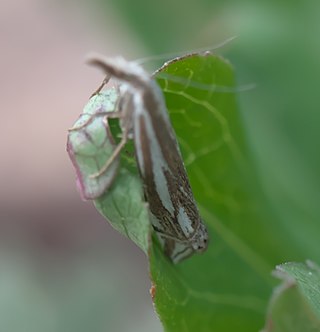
(295, 305)
(227, 288)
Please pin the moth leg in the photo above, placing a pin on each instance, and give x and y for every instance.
(91, 118)
(119, 147)
(114, 155)
(109, 114)
(104, 82)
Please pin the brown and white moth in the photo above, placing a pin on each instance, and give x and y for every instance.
(144, 118)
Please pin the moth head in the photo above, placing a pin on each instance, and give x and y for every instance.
(201, 239)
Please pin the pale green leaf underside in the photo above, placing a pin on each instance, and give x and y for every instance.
(90, 145)
(117, 193)
(124, 208)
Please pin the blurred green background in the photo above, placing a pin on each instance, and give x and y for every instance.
(62, 267)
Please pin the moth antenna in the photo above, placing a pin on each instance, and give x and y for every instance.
(177, 54)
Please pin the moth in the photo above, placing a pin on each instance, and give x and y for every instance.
(144, 118)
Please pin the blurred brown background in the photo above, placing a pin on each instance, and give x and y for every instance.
(62, 267)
